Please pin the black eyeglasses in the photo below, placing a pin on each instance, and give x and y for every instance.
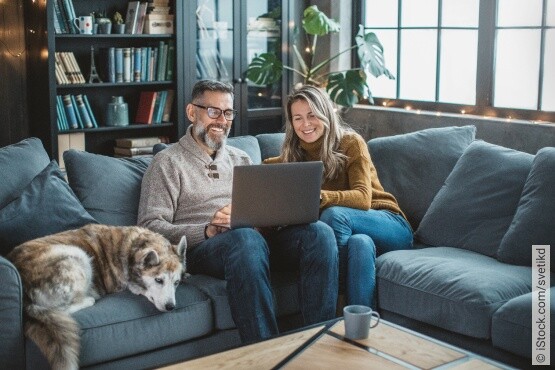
(214, 113)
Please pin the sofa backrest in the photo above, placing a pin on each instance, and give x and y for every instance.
(414, 166)
(258, 147)
(109, 188)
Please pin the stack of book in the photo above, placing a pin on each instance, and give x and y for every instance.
(137, 146)
(138, 64)
(66, 68)
(154, 107)
(74, 112)
(158, 19)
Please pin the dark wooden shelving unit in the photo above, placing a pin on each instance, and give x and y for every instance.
(45, 43)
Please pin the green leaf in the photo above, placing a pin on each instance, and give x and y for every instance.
(370, 53)
(316, 22)
(265, 69)
(347, 88)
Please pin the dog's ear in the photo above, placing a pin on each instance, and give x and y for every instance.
(150, 258)
(181, 248)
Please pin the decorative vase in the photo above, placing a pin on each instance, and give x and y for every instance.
(117, 113)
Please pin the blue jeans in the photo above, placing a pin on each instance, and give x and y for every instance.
(242, 258)
(361, 236)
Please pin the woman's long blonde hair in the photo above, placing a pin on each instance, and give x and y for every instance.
(334, 129)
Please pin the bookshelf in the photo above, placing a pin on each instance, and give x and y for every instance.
(231, 28)
(46, 43)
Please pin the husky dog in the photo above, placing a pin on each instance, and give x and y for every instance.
(68, 271)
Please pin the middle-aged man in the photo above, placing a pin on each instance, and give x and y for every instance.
(187, 191)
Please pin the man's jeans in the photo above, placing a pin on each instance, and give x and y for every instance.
(242, 258)
(361, 236)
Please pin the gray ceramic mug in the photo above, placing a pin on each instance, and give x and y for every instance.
(358, 321)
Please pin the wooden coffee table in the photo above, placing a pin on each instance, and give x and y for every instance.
(389, 346)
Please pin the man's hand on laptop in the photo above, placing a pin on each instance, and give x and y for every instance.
(220, 222)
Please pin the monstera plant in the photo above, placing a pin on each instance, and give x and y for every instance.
(344, 87)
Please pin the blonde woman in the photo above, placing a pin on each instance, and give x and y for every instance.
(366, 220)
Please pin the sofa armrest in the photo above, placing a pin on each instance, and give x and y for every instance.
(12, 350)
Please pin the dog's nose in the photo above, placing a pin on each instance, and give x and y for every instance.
(170, 306)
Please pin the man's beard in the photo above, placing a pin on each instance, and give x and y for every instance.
(202, 134)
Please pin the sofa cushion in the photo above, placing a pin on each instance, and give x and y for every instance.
(22, 162)
(454, 289)
(248, 144)
(414, 166)
(46, 206)
(475, 207)
(270, 144)
(533, 222)
(511, 327)
(124, 324)
(109, 188)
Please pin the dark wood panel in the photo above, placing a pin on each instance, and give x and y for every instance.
(14, 122)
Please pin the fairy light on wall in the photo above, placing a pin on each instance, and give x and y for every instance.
(9, 33)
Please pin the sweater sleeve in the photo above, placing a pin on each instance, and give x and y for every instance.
(158, 202)
(359, 176)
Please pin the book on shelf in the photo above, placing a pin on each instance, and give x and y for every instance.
(137, 66)
(133, 150)
(131, 17)
(138, 142)
(170, 60)
(126, 64)
(69, 14)
(67, 65)
(83, 111)
(91, 115)
(141, 17)
(145, 108)
(74, 112)
(119, 64)
(70, 111)
(166, 114)
(159, 106)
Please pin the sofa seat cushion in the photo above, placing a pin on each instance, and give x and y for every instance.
(109, 188)
(475, 207)
(533, 222)
(511, 327)
(124, 324)
(19, 164)
(454, 289)
(284, 285)
(45, 206)
(414, 166)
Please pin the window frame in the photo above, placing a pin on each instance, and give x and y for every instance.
(487, 32)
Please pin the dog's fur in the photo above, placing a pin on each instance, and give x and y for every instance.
(68, 271)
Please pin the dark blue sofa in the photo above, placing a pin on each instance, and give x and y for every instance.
(468, 280)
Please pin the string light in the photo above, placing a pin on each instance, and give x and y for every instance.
(8, 50)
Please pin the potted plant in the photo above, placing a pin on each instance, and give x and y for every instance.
(344, 87)
(119, 23)
(104, 23)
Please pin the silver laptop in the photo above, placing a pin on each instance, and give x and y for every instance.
(276, 194)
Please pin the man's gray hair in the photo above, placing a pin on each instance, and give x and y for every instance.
(211, 85)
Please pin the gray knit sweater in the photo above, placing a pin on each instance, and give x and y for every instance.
(178, 197)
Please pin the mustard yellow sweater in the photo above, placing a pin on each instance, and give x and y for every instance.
(358, 185)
